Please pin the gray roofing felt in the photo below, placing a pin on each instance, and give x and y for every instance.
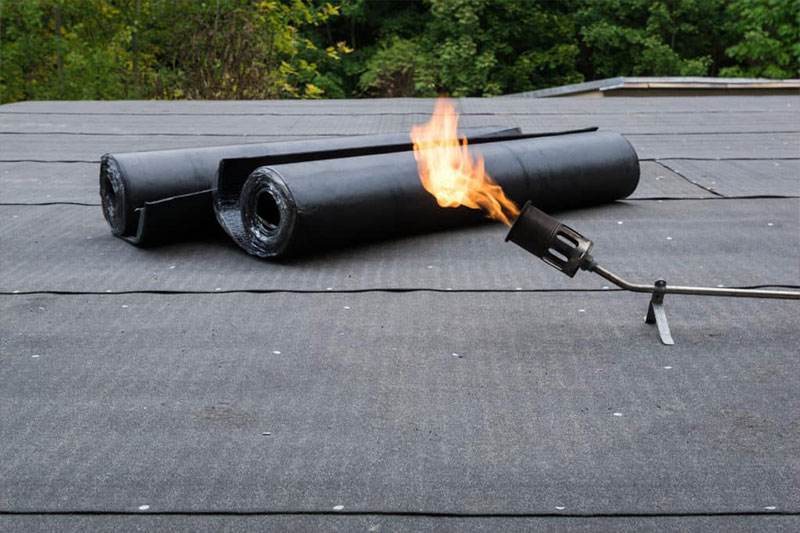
(463, 403)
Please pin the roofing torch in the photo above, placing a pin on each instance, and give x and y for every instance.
(568, 251)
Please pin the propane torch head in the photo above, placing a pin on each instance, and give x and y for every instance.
(548, 239)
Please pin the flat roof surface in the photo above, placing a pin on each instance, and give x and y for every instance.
(442, 381)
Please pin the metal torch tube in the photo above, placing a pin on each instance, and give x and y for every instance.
(677, 289)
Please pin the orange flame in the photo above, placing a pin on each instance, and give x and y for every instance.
(450, 173)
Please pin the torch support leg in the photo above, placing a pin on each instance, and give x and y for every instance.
(657, 315)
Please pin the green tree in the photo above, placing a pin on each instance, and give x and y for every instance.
(101, 49)
(236, 49)
(399, 67)
(649, 38)
(487, 47)
(766, 36)
(62, 49)
(388, 59)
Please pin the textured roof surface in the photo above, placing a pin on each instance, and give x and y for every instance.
(441, 381)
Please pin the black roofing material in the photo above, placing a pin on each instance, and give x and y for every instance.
(152, 400)
(298, 206)
(59, 147)
(233, 173)
(233, 109)
(336, 521)
(246, 125)
(157, 195)
(759, 178)
(77, 182)
(648, 239)
(143, 399)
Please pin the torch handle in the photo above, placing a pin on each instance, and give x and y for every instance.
(591, 266)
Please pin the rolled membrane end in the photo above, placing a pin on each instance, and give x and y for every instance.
(112, 195)
(268, 213)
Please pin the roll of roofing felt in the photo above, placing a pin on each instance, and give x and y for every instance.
(158, 195)
(297, 206)
(233, 172)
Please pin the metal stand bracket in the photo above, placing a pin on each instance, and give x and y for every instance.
(657, 315)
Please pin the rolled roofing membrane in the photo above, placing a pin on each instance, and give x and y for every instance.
(160, 195)
(279, 198)
(318, 204)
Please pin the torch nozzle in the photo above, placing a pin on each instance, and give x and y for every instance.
(548, 239)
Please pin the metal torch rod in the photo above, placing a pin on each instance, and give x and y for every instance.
(677, 289)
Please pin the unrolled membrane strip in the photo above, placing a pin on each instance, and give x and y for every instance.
(158, 195)
(296, 206)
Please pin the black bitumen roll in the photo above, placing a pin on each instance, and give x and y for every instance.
(157, 195)
(229, 180)
(317, 204)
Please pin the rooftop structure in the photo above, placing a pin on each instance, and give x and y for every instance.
(671, 86)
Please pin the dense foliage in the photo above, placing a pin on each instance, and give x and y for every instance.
(105, 49)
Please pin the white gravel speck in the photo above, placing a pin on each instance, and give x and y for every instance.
(338, 507)
(276, 352)
(617, 414)
(144, 507)
(560, 507)
(667, 368)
